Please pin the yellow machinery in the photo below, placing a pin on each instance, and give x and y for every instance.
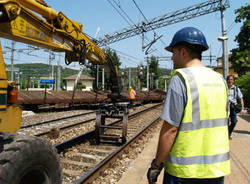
(55, 32)
(25, 159)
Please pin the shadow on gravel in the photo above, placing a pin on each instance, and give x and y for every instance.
(242, 132)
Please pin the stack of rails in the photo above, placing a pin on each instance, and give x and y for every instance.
(59, 99)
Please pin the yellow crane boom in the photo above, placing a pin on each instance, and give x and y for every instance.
(56, 32)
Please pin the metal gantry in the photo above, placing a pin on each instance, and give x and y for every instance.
(164, 20)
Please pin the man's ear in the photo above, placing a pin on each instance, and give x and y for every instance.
(184, 53)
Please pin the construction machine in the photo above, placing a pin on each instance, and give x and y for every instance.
(28, 159)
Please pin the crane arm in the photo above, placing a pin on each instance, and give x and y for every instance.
(56, 32)
(19, 21)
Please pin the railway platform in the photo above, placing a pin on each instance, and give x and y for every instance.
(239, 155)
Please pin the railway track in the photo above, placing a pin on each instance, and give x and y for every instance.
(84, 161)
(45, 127)
(65, 127)
(81, 158)
(54, 120)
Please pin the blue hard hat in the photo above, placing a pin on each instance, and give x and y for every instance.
(190, 35)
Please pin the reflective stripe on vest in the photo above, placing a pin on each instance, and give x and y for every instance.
(210, 123)
(200, 159)
(195, 153)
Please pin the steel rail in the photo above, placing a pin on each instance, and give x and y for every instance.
(90, 176)
(81, 154)
(79, 123)
(59, 119)
(66, 127)
(90, 134)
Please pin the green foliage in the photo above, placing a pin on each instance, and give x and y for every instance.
(112, 57)
(93, 71)
(81, 86)
(112, 61)
(243, 83)
(158, 72)
(154, 67)
(38, 70)
(144, 77)
(241, 56)
(154, 71)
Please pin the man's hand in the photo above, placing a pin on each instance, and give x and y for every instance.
(153, 172)
(243, 112)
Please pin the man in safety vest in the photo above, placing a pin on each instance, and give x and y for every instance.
(193, 145)
(131, 96)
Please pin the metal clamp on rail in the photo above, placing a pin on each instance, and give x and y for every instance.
(115, 133)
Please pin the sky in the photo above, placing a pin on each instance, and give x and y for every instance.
(100, 13)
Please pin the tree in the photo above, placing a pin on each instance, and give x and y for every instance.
(93, 70)
(112, 63)
(111, 56)
(144, 77)
(154, 70)
(112, 66)
(241, 56)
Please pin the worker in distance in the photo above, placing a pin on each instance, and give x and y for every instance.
(132, 94)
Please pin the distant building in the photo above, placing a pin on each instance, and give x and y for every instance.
(85, 82)
(219, 67)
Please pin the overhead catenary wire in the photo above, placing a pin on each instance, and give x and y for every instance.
(146, 19)
(130, 59)
(136, 59)
(228, 30)
(128, 19)
(119, 12)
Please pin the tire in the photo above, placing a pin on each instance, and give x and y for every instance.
(28, 160)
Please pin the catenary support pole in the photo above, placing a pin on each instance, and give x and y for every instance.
(12, 59)
(59, 73)
(129, 77)
(224, 41)
(103, 78)
(97, 76)
(147, 74)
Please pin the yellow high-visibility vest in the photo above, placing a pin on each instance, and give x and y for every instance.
(131, 94)
(201, 147)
